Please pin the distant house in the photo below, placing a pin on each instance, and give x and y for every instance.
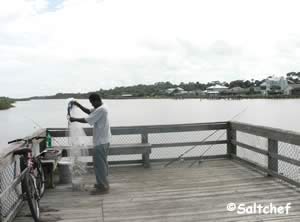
(177, 90)
(126, 95)
(216, 88)
(256, 89)
(211, 92)
(237, 90)
(198, 92)
(292, 89)
(274, 84)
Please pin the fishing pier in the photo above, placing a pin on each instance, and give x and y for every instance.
(182, 172)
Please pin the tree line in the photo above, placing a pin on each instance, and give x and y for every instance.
(5, 103)
(159, 89)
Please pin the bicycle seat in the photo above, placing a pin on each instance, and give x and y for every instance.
(22, 151)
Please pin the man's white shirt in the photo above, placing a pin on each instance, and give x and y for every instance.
(101, 130)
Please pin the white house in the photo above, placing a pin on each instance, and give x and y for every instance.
(177, 90)
(211, 92)
(275, 84)
(217, 88)
(127, 95)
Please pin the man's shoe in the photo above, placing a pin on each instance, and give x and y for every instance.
(97, 186)
(99, 191)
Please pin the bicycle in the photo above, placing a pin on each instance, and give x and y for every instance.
(33, 181)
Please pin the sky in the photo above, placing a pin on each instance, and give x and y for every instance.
(52, 46)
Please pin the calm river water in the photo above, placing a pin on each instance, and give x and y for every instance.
(28, 116)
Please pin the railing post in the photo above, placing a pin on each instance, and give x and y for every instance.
(144, 137)
(231, 135)
(145, 156)
(272, 162)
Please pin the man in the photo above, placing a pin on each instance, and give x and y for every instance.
(98, 118)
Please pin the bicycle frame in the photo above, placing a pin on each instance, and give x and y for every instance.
(32, 183)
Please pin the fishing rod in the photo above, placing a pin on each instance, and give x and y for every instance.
(193, 147)
(39, 126)
(70, 106)
(190, 149)
(199, 160)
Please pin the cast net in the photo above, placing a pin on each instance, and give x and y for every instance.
(79, 143)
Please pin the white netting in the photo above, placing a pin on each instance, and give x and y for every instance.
(78, 142)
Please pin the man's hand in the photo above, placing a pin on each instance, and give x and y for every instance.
(72, 119)
(75, 103)
(86, 110)
(80, 120)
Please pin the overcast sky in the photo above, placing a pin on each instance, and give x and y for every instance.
(51, 46)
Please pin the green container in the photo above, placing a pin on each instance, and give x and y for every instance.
(49, 140)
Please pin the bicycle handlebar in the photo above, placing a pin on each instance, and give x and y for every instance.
(27, 140)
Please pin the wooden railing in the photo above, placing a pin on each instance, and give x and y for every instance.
(274, 138)
(147, 131)
(231, 143)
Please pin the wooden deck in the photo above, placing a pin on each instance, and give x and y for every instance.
(175, 193)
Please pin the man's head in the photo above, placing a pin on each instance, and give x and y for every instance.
(95, 100)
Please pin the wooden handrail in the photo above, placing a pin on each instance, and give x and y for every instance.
(127, 130)
(286, 136)
(273, 137)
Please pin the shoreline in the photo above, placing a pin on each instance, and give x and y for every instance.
(6, 104)
(214, 97)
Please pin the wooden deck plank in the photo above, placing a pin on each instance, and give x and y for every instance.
(175, 193)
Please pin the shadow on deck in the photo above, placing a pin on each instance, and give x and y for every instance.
(175, 193)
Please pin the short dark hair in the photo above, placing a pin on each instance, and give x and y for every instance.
(95, 97)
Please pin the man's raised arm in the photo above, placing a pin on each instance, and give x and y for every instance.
(80, 120)
(86, 110)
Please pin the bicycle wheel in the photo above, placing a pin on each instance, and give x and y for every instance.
(32, 196)
(40, 178)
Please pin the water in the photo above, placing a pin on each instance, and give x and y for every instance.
(28, 116)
